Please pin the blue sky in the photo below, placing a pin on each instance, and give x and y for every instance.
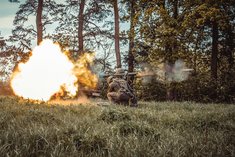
(7, 14)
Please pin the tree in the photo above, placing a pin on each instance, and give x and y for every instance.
(197, 32)
(116, 34)
(7, 59)
(39, 21)
(24, 33)
(214, 53)
(14, 1)
(131, 34)
(80, 26)
(130, 15)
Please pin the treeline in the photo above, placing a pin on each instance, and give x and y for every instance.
(159, 32)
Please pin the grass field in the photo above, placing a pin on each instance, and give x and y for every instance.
(152, 129)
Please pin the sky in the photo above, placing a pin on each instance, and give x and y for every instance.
(7, 14)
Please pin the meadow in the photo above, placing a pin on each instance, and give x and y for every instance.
(30, 128)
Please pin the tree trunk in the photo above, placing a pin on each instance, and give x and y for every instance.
(175, 9)
(172, 49)
(230, 46)
(175, 16)
(39, 21)
(80, 26)
(131, 40)
(214, 52)
(169, 62)
(116, 35)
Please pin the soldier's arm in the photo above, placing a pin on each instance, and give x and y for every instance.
(111, 87)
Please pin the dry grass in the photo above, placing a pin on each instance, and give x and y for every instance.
(153, 129)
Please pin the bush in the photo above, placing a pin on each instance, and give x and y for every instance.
(152, 90)
(199, 88)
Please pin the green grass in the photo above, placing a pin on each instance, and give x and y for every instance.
(152, 129)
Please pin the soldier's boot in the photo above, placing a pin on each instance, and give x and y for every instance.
(133, 102)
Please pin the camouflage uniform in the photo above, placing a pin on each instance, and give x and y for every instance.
(120, 91)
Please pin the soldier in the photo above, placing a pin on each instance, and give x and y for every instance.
(119, 91)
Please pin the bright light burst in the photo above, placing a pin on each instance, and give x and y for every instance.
(48, 72)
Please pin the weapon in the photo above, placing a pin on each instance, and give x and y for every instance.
(91, 92)
(125, 75)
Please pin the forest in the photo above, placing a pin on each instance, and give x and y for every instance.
(178, 55)
(187, 46)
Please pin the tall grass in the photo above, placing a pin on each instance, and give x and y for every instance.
(153, 129)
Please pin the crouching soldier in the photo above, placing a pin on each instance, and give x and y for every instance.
(119, 91)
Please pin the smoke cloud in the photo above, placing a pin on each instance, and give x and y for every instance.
(177, 72)
(165, 72)
(146, 73)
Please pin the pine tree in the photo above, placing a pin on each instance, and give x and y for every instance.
(23, 34)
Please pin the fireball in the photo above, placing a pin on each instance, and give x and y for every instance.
(47, 72)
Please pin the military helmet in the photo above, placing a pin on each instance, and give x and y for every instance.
(119, 71)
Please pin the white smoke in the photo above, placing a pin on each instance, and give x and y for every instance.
(177, 72)
(146, 73)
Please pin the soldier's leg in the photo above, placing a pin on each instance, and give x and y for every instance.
(113, 97)
(133, 102)
(129, 99)
(124, 98)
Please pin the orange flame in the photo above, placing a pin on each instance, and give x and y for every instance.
(49, 72)
(85, 77)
